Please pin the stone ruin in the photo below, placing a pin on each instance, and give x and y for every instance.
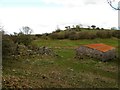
(99, 51)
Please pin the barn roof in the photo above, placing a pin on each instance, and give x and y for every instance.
(100, 47)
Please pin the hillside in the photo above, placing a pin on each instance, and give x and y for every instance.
(62, 71)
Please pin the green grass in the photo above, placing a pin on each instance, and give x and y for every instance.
(74, 43)
(61, 72)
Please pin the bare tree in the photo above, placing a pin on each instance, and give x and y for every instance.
(80, 25)
(2, 30)
(110, 2)
(26, 30)
(88, 27)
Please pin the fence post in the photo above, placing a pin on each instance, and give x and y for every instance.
(0, 60)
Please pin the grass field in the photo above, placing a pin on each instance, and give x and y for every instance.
(61, 72)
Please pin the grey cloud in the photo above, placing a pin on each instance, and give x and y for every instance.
(86, 2)
(43, 25)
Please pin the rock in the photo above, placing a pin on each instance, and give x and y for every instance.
(44, 77)
(97, 78)
(100, 62)
(4, 80)
(71, 69)
(13, 70)
(52, 62)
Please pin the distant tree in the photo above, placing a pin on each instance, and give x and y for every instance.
(119, 28)
(20, 33)
(77, 27)
(26, 30)
(38, 35)
(113, 28)
(80, 25)
(88, 27)
(102, 28)
(98, 28)
(46, 34)
(66, 27)
(73, 26)
(15, 33)
(58, 29)
(2, 30)
(93, 26)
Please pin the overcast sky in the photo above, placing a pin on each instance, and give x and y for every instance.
(45, 15)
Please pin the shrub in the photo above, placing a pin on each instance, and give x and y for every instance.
(66, 35)
(98, 28)
(24, 39)
(87, 35)
(57, 36)
(38, 35)
(58, 30)
(53, 36)
(61, 36)
(8, 46)
(92, 36)
(74, 37)
(116, 34)
(104, 34)
(21, 50)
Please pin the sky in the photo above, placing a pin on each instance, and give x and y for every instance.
(44, 16)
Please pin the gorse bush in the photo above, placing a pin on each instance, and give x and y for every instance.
(86, 35)
(74, 35)
(54, 36)
(66, 35)
(57, 36)
(104, 34)
(38, 35)
(116, 34)
(23, 39)
(10, 43)
(8, 46)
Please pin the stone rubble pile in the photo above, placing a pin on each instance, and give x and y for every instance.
(22, 50)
